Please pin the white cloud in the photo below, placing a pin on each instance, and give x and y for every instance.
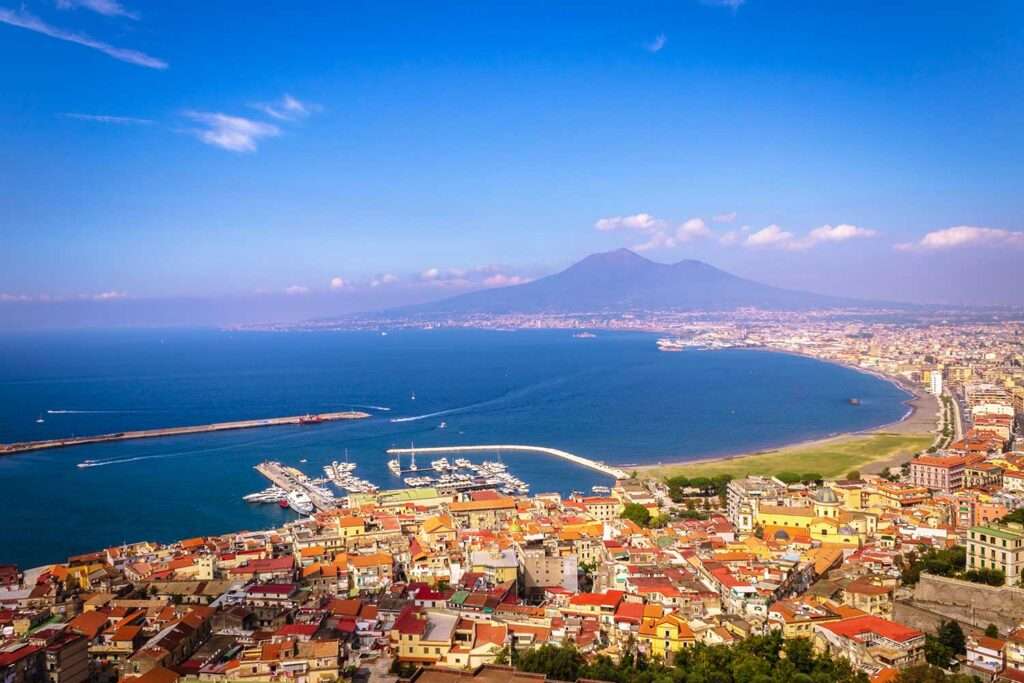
(25, 20)
(772, 236)
(502, 280)
(838, 233)
(296, 290)
(108, 8)
(104, 118)
(731, 4)
(108, 296)
(730, 238)
(657, 240)
(430, 274)
(287, 108)
(966, 236)
(657, 44)
(385, 279)
(660, 235)
(728, 217)
(233, 133)
(338, 283)
(643, 222)
(692, 229)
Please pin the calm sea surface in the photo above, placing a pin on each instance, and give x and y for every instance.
(614, 398)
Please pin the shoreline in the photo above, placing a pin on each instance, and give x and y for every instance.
(913, 423)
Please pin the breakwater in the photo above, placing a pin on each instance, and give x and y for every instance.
(28, 446)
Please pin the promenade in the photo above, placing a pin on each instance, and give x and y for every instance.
(27, 446)
(614, 472)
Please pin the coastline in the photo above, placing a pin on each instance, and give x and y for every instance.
(915, 422)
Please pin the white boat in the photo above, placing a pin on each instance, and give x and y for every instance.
(600, 489)
(443, 425)
(300, 502)
(463, 463)
(395, 466)
(40, 420)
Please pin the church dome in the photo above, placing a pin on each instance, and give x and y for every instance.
(825, 495)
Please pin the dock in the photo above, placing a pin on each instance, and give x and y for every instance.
(290, 479)
(311, 419)
(596, 465)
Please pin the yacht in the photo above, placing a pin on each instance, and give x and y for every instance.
(395, 466)
(300, 502)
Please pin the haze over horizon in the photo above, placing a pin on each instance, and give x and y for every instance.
(158, 169)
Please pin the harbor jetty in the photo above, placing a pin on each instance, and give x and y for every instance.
(609, 470)
(310, 419)
(293, 481)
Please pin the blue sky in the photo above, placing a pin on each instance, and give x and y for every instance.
(198, 151)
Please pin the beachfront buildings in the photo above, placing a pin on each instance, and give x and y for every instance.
(938, 472)
(999, 547)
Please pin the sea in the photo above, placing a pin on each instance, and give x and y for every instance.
(614, 397)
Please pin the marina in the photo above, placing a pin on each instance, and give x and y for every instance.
(611, 471)
(307, 419)
(292, 489)
(460, 475)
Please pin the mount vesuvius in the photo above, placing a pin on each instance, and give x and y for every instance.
(622, 280)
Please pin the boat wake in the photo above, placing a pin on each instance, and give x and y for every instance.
(439, 413)
(178, 454)
(94, 412)
(370, 407)
(511, 395)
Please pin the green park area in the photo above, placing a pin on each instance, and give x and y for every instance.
(831, 458)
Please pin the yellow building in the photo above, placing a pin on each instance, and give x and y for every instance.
(669, 634)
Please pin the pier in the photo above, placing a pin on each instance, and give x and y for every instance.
(614, 472)
(291, 479)
(312, 419)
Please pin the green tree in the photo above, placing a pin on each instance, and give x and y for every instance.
(637, 514)
(853, 475)
(952, 636)
(992, 631)
(788, 477)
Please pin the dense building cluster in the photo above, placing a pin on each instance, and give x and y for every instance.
(423, 583)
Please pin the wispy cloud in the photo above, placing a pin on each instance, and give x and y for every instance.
(23, 19)
(467, 278)
(731, 4)
(657, 44)
(108, 8)
(383, 280)
(770, 236)
(104, 118)
(725, 217)
(774, 236)
(287, 108)
(233, 133)
(660, 234)
(296, 290)
(965, 236)
(644, 222)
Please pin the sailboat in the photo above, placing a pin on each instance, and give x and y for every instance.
(40, 420)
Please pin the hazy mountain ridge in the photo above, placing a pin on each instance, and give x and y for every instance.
(623, 280)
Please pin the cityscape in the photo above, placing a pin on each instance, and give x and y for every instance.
(531, 342)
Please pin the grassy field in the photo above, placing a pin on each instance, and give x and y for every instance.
(830, 458)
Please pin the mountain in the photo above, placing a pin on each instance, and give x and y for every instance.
(622, 280)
